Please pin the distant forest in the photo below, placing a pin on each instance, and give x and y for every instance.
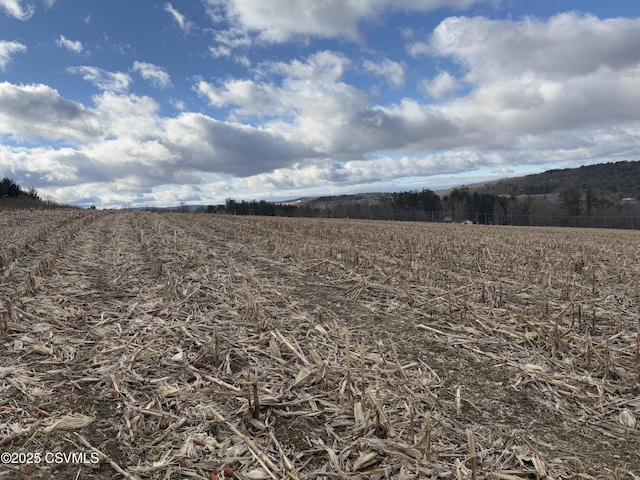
(573, 207)
(13, 195)
(601, 196)
(10, 189)
(613, 181)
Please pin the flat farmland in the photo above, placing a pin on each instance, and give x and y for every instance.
(201, 346)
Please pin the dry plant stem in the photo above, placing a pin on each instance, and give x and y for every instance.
(638, 349)
(412, 429)
(113, 464)
(170, 429)
(264, 461)
(471, 439)
(348, 360)
(397, 360)
(363, 401)
(427, 437)
(616, 474)
(216, 348)
(256, 401)
(104, 302)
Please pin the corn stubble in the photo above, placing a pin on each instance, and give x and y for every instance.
(200, 345)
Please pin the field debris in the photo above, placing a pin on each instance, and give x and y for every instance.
(210, 347)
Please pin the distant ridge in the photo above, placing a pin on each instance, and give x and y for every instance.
(595, 196)
(614, 181)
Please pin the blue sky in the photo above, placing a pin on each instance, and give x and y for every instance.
(156, 103)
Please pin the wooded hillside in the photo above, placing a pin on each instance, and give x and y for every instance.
(604, 195)
(613, 181)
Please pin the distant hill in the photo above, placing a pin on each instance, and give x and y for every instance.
(329, 201)
(613, 181)
(605, 196)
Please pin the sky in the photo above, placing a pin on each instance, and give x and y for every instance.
(156, 103)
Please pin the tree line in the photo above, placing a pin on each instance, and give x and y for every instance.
(571, 207)
(13, 196)
(10, 189)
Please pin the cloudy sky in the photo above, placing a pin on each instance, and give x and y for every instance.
(155, 103)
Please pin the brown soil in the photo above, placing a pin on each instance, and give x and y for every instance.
(160, 331)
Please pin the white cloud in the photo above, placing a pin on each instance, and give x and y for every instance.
(7, 49)
(569, 72)
(233, 38)
(178, 104)
(128, 116)
(566, 45)
(71, 45)
(104, 80)
(303, 17)
(134, 148)
(41, 165)
(298, 124)
(207, 144)
(441, 85)
(393, 72)
(279, 20)
(311, 102)
(220, 51)
(184, 24)
(32, 111)
(156, 75)
(365, 171)
(323, 66)
(15, 8)
(304, 83)
(251, 97)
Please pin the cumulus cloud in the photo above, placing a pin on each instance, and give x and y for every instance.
(158, 76)
(565, 45)
(334, 18)
(571, 71)
(7, 49)
(134, 147)
(129, 116)
(323, 66)
(210, 145)
(71, 45)
(298, 124)
(310, 102)
(366, 171)
(304, 17)
(303, 86)
(184, 24)
(313, 103)
(252, 98)
(16, 9)
(441, 85)
(38, 166)
(104, 80)
(32, 111)
(393, 72)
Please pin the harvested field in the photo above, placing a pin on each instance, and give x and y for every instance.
(201, 346)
